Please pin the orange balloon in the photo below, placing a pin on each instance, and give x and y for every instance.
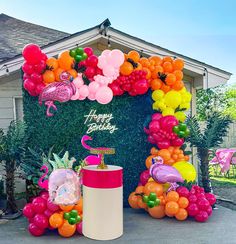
(145, 62)
(140, 67)
(67, 230)
(172, 196)
(183, 202)
(178, 85)
(156, 84)
(157, 60)
(133, 200)
(163, 200)
(65, 61)
(148, 72)
(170, 162)
(165, 88)
(170, 79)
(139, 189)
(165, 154)
(167, 66)
(167, 59)
(148, 161)
(157, 212)
(178, 74)
(153, 186)
(48, 76)
(66, 208)
(141, 204)
(154, 151)
(73, 73)
(79, 205)
(52, 63)
(158, 69)
(178, 64)
(56, 220)
(57, 73)
(134, 55)
(181, 215)
(126, 68)
(171, 208)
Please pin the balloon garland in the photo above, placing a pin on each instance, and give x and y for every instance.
(79, 74)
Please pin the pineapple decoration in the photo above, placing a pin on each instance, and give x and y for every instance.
(64, 183)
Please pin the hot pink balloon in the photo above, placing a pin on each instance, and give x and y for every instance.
(157, 116)
(41, 221)
(32, 53)
(144, 177)
(39, 205)
(163, 144)
(88, 51)
(48, 213)
(28, 211)
(178, 142)
(154, 126)
(168, 122)
(79, 228)
(35, 230)
(104, 95)
(28, 68)
(44, 195)
(51, 206)
(76, 95)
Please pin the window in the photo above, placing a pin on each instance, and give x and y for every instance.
(18, 108)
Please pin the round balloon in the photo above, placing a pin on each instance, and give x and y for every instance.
(186, 170)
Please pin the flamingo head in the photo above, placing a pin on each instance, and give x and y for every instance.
(86, 138)
(44, 167)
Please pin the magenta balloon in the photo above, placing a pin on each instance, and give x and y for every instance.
(141, 86)
(164, 173)
(157, 137)
(90, 72)
(168, 122)
(154, 126)
(163, 144)
(32, 53)
(28, 211)
(40, 67)
(79, 228)
(36, 78)
(157, 116)
(203, 204)
(192, 209)
(41, 221)
(211, 198)
(151, 139)
(44, 195)
(202, 216)
(51, 206)
(35, 230)
(92, 61)
(209, 210)
(28, 68)
(48, 213)
(39, 88)
(144, 177)
(29, 85)
(88, 51)
(178, 142)
(39, 205)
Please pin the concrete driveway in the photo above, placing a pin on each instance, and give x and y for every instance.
(139, 227)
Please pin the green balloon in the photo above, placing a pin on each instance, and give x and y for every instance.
(78, 219)
(187, 132)
(73, 213)
(72, 221)
(176, 129)
(72, 53)
(152, 196)
(79, 51)
(151, 204)
(145, 199)
(157, 202)
(182, 126)
(78, 58)
(84, 56)
(66, 216)
(181, 134)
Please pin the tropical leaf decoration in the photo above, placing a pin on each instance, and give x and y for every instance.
(62, 163)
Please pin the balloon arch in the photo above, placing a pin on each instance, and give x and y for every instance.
(79, 74)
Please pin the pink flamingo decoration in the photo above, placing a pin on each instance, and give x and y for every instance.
(42, 182)
(91, 159)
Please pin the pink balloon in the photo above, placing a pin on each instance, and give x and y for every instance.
(93, 87)
(105, 53)
(41, 221)
(35, 230)
(91, 96)
(84, 91)
(154, 126)
(28, 211)
(76, 95)
(108, 70)
(192, 198)
(168, 122)
(40, 87)
(117, 58)
(51, 206)
(79, 228)
(29, 85)
(151, 139)
(39, 205)
(164, 173)
(81, 98)
(102, 62)
(78, 81)
(104, 95)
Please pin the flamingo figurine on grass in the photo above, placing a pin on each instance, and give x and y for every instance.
(91, 159)
(42, 182)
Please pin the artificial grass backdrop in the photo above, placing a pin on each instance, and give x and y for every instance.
(65, 129)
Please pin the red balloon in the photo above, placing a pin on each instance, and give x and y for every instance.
(39, 88)
(39, 205)
(32, 53)
(99, 71)
(163, 144)
(51, 206)
(154, 126)
(40, 67)
(168, 122)
(31, 220)
(192, 198)
(203, 204)
(28, 68)
(88, 51)
(35, 230)
(178, 142)
(36, 78)
(144, 177)
(41, 221)
(44, 195)
(44, 57)
(28, 211)
(211, 198)
(29, 85)
(116, 89)
(26, 76)
(89, 72)
(192, 209)
(202, 216)
(141, 86)
(92, 61)
(183, 191)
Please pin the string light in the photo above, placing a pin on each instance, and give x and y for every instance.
(108, 42)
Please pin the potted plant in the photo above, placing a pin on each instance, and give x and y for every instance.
(205, 139)
(11, 146)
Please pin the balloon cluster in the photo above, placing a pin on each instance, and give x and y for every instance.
(172, 103)
(200, 203)
(44, 215)
(33, 67)
(160, 131)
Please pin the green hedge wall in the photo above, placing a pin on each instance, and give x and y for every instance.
(65, 129)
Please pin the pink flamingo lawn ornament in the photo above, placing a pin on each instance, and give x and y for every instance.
(42, 182)
(57, 91)
(91, 159)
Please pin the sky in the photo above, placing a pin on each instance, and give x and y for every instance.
(204, 30)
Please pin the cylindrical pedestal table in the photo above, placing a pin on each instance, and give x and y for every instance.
(102, 202)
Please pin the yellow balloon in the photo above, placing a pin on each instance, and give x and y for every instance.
(181, 116)
(157, 95)
(183, 90)
(150, 179)
(168, 111)
(187, 170)
(173, 99)
(162, 105)
(155, 106)
(186, 97)
(185, 106)
(166, 186)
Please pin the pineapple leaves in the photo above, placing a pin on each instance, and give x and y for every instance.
(62, 163)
